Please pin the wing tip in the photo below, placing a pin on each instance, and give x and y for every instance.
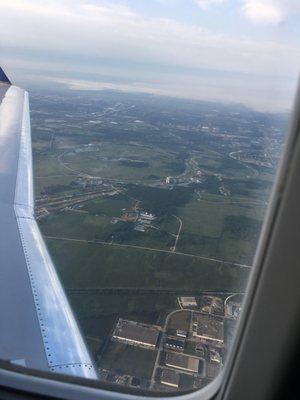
(3, 77)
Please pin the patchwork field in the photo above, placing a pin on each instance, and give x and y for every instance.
(100, 162)
(127, 162)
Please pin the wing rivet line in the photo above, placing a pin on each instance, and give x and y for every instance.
(64, 348)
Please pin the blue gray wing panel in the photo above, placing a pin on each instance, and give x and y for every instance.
(37, 329)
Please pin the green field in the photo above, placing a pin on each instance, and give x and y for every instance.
(213, 226)
(124, 359)
(190, 348)
(220, 227)
(46, 164)
(78, 225)
(94, 307)
(231, 235)
(110, 207)
(215, 205)
(128, 162)
(48, 172)
(180, 320)
(75, 225)
(215, 162)
(82, 265)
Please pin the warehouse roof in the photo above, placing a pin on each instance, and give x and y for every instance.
(209, 327)
(136, 332)
(182, 361)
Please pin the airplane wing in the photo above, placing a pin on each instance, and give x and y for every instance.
(37, 328)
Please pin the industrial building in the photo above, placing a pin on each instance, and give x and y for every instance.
(209, 328)
(169, 378)
(136, 334)
(182, 362)
(147, 216)
(187, 302)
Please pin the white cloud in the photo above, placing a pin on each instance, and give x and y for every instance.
(259, 11)
(111, 44)
(270, 11)
(264, 11)
(80, 29)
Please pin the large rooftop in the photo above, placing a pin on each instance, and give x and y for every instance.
(188, 301)
(183, 362)
(210, 328)
(136, 333)
(170, 378)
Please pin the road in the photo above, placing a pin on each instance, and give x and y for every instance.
(99, 242)
(142, 291)
(161, 345)
(78, 173)
(178, 233)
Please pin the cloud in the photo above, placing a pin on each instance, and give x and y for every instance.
(81, 31)
(264, 11)
(80, 40)
(259, 11)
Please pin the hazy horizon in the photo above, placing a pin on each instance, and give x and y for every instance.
(240, 52)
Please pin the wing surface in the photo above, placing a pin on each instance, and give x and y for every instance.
(37, 327)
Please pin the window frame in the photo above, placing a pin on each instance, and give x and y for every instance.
(259, 357)
(248, 376)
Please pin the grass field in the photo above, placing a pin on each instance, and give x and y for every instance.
(180, 320)
(71, 224)
(77, 225)
(212, 226)
(82, 265)
(110, 207)
(230, 235)
(47, 165)
(44, 182)
(190, 348)
(201, 234)
(216, 163)
(125, 162)
(125, 359)
(48, 172)
(142, 307)
(139, 140)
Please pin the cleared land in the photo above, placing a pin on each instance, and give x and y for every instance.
(124, 359)
(180, 320)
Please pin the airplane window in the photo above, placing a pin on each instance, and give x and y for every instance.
(157, 128)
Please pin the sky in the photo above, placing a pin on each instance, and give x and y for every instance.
(240, 51)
